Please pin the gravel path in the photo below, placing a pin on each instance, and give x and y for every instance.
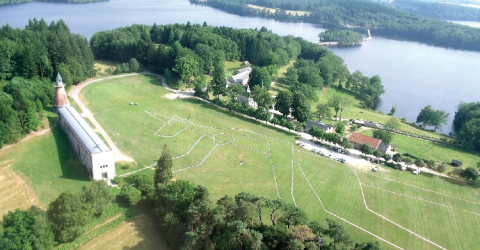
(85, 112)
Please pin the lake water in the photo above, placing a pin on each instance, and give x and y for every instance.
(414, 74)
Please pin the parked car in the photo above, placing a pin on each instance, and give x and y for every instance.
(375, 169)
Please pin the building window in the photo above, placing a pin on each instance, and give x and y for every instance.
(104, 175)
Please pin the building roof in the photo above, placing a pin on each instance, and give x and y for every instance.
(59, 81)
(456, 161)
(317, 124)
(371, 124)
(383, 147)
(362, 139)
(89, 139)
(60, 99)
(239, 78)
(249, 69)
(358, 122)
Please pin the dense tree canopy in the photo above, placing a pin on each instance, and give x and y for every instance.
(379, 18)
(28, 60)
(341, 36)
(444, 11)
(28, 229)
(430, 117)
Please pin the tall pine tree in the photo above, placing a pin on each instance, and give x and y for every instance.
(163, 172)
(218, 82)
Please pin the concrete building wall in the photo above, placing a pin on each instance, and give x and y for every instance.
(97, 163)
(103, 165)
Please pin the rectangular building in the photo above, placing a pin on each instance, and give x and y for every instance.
(90, 149)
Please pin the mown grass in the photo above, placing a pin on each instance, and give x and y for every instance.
(232, 169)
(433, 151)
(47, 163)
(357, 112)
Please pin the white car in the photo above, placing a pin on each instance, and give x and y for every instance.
(375, 169)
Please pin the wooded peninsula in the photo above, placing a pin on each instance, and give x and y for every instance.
(381, 19)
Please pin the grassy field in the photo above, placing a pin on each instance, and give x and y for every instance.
(229, 154)
(101, 66)
(137, 233)
(291, 12)
(277, 85)
(433, 151)
(48, 164)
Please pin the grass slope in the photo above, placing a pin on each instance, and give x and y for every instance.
(233, 168)
(48, 164)
(434, 151)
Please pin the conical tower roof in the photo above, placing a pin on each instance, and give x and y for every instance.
(59, 81)
(60, 99)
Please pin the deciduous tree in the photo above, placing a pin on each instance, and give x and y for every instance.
(323, 111)
(301, 107)
(262, 97)
(98, 195)
(131, 194)
(283, 102)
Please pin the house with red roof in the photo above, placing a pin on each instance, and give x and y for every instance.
(358, 140)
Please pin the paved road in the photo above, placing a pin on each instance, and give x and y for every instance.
(73, 93)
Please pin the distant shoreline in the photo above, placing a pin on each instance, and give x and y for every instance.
(11, 2)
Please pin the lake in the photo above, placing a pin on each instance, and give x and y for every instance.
(414, 74)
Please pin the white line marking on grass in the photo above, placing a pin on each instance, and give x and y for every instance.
(291, 189)
(238, 145)
(413, 197)
(387, 219)
(428, 190)
(276, 185)
(138, 170)
(197, 164)
(190, 148)
(320, 200)
(271, 161)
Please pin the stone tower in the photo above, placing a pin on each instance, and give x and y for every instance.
(60, 100)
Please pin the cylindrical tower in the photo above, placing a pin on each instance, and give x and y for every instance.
(60, 99)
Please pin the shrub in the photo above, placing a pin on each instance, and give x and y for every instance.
(377, 153)
(117, 180)
(131, 194)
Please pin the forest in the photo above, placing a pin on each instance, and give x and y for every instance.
(189, 52)
(382, 20)
(2, 2)
(438, 10)
(29, 58)
(467, 124)
(341, 36)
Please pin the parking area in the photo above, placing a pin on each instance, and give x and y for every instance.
(351, 157)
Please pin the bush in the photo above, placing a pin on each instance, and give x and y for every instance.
(125, 165)
(131, 194)
(441, 168)
(377, 153)
(117, 180)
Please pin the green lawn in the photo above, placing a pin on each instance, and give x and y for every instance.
(47, 163)
(355, 111)
(245, 165)
(433, 151)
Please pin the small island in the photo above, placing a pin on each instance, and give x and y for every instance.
(342, 37)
